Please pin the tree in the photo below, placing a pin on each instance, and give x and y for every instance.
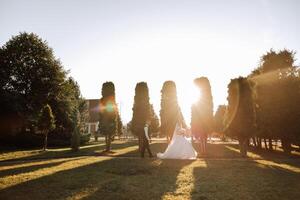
(170, 112)
(46, 123)
(277, 85)
(240, 113)
(202, 122)
(219, 119)
(141, 110)
(273, 61)
(120, 125)
(32, 77)
(154, 121)
(108, 115)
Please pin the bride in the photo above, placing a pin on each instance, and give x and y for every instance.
(180, 147)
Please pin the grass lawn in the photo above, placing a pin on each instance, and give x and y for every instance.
(88, 174)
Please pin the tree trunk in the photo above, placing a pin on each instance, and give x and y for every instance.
(75, 140)
(45, 141)
(254, 141)
(243, 143)
(265, 142)
(286, 146)
(270, 144)
(259, 143)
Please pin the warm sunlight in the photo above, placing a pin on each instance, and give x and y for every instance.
(128, 99)
(188, 94)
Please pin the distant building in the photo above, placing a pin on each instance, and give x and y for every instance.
(93, 107)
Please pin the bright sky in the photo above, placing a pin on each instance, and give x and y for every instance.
(128, 41)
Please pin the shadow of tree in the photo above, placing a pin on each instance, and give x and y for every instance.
(31, 168)
(274, 156)
(115, 178)
(244, 179)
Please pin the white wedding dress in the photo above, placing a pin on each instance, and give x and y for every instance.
(180, 147)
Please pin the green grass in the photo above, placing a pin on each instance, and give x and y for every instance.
(88, 174)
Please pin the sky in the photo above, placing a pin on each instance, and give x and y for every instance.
(128, 41)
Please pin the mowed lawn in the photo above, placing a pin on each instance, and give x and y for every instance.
(121, 174)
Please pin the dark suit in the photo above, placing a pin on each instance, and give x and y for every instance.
(145, 145)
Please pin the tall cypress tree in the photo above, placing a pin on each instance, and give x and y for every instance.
(202, 121)
(219, 120)
(154, 121)
(141, 109)
(240, 114)
(170, 112)
(108, 115)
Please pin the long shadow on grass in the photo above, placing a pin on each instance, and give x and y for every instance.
(273, 156)
(244, 179)
(217, 150)
(115, 178)
(25, 169)
(87, 150)
(145, 180)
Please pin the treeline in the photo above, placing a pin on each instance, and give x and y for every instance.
(264, 106)
(37, 96)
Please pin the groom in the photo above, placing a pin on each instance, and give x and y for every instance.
(145, 142)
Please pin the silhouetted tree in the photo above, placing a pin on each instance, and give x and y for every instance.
(273, 61)
(46, 123)
(170, 112)
(277, 85)
(219, 120)
(154, 121)
(120, 125)
(108, 115)
(141, 110)
(240, 114)
(202, 121)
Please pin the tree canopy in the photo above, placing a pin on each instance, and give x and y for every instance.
(30, 78)
(170, 112)
(108, 113)
(141, 108)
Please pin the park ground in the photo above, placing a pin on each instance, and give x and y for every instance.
(121, 174)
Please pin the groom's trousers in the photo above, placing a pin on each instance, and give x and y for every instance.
(145, 146)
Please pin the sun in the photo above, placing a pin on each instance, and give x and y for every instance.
(195, 94)
(188, 95)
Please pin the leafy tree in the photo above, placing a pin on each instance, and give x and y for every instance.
(46, 123)
(202, 122)
(32, 77)
(108, 115)
(272, 61)
(240, 114)
(277, 85)
(170, 112)
(141, 110)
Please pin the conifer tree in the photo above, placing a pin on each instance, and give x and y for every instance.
(108, 115)
(202, 122)
(141, 110)
(170, 112)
